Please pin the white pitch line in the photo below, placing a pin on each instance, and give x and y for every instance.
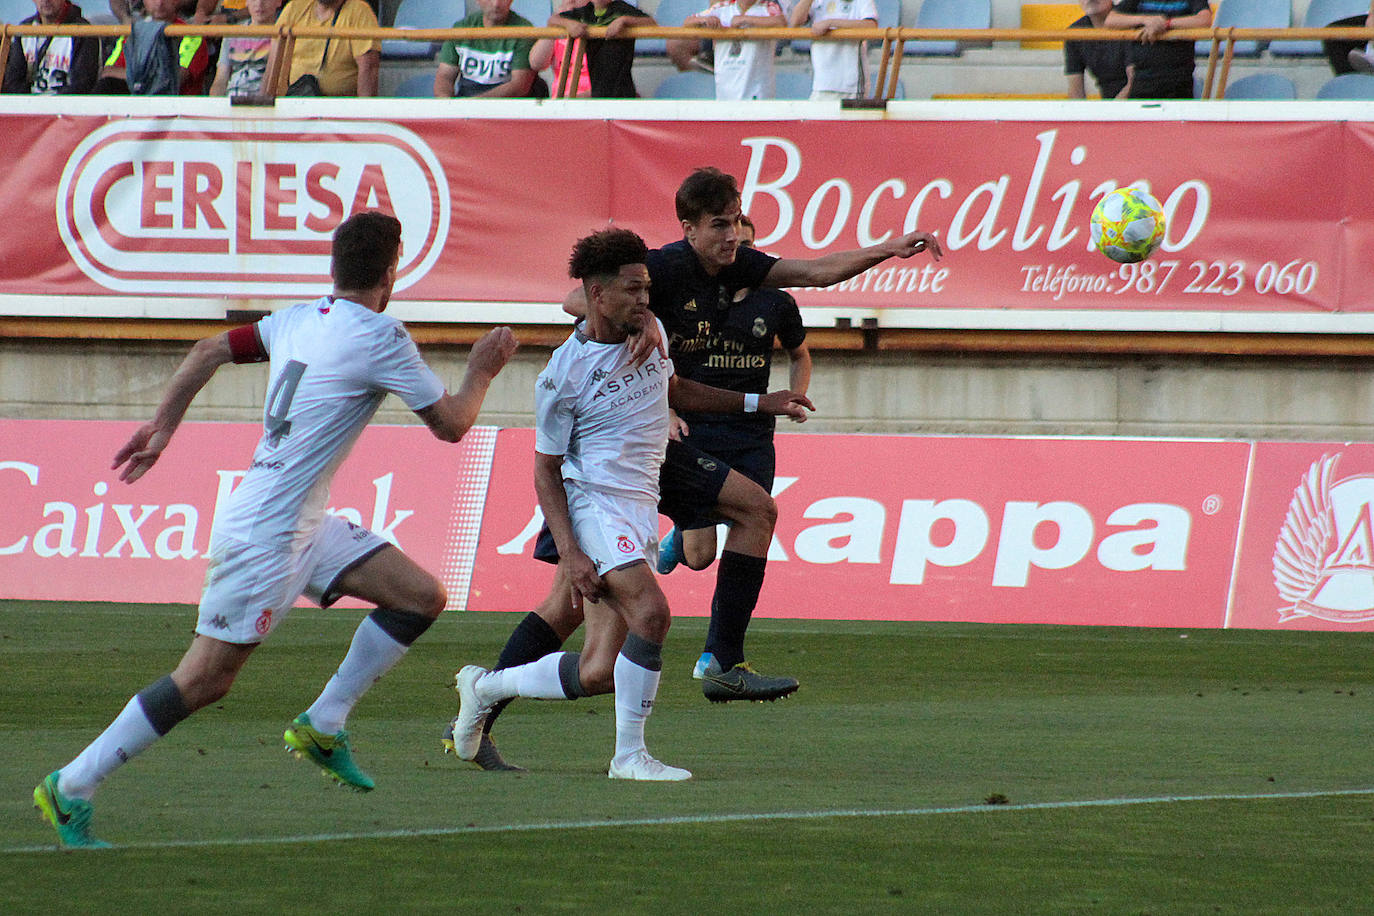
(714, 819)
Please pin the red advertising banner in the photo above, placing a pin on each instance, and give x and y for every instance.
(137, 210)
(72, 531)
(1116, 532)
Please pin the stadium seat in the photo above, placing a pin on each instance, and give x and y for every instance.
(1348, 86)
(536, 11)
(691, 84)
(419, 86)
(668, 13)
(948, 14)
(1249, 14)
(1048, 16)
(16, 11)
(1262, 86)
(796, 84)
(422, 14)
(1320, 13)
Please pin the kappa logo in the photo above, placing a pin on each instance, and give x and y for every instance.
(219, 622)
(1324, 557)
(191, 206)
(547, 383)
(691, 306)
(599, 374)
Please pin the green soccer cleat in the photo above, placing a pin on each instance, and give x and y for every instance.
(71, 817)
(328, 752)
(743, 683)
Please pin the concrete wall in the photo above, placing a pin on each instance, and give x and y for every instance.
(1202, 396)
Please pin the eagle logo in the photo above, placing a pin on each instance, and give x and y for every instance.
(1324, 556)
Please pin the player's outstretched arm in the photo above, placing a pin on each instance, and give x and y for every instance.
(840, 266)
(694, 397)
(553, 502)
(450, 417)
(145, 446)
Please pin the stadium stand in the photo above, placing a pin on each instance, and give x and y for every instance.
(418, 86)
(669, 13)
(1048, 16)
(1320, 13)
(423, 14)
(948, 14)
(1262, 86)
(691, 84)
(1250, 14)
(1348, 86)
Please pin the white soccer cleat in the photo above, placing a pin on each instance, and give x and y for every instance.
(472, 712)
(639, 765)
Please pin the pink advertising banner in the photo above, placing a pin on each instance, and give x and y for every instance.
(72, 531)
(103, 208)
(1121, 532)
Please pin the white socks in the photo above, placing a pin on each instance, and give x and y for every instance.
(537, 680)
(129, 735)
(635, 689)
(372, 654)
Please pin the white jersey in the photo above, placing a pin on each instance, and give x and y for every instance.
(840, 66)
(744, 69)
(607, 418)
(333, 361)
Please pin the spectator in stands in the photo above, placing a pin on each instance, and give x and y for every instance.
(192, 56)
(1105, 60)
(243, 60)
(488, 67)
(1163, 69)
(1361, 60)
(609, 59)
(744, 69)
(343, 67)
(549, 52)
(839, 68)
(53, 64)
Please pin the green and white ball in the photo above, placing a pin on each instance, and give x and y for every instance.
(1127, 225)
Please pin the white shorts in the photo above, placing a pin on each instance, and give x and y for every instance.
(613, 529)
(250, 589)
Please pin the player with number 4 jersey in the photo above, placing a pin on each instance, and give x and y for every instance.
(333, 361)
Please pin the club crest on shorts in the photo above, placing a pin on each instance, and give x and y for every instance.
(624, 544)
(706, 464)
(1324, 557)
(264, 623)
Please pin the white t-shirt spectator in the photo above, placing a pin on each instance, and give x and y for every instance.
(840, 66)
(744, 69)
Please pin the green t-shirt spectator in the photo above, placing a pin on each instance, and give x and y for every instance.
(485, 62)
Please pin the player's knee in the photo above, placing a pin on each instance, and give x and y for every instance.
(763, 510)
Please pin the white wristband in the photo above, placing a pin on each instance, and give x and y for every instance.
(751, 403)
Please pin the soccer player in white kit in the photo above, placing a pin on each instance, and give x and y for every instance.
(601, 429)
(333, 361)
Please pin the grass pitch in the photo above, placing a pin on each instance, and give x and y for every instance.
(940, 768)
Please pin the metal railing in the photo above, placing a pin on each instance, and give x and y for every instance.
(893, 40)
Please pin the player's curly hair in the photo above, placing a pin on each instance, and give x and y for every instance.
(364, 246)
(706, 191)
(603, 253)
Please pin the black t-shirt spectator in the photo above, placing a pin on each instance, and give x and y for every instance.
(608, 62)
(1164, 69)
(1105, 60)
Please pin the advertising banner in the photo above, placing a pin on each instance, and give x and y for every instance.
(106, 210)
(1113, 532)
(72, 531)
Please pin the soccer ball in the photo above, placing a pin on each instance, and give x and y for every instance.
(1127, 225)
